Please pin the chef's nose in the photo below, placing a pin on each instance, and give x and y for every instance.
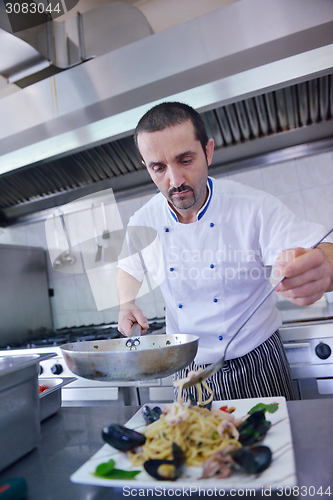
(176, 177)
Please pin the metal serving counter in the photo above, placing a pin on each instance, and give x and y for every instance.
(319, 311)
(73, 435)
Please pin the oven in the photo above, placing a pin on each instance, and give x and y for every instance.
(309, 347)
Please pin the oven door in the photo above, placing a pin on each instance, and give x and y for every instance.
(312, 377)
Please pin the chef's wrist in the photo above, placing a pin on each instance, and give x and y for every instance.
(126, 305)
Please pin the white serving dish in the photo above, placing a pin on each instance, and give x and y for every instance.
(281, 471)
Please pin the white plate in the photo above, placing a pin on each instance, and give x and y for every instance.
(281, 472)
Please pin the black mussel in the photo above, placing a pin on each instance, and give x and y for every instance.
(157, 410)
(254, 428)
(167, 470)
(122, 438)
(253, 460)
(150, 415)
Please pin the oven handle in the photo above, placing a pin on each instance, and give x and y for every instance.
(293, 345)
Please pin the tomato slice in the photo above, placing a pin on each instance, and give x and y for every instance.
(224, 408)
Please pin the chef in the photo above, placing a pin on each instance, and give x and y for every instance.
(219, 242)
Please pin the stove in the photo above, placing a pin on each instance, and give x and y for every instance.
(76, 334)
(309, 349)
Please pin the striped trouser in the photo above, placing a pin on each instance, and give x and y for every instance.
(262, 372)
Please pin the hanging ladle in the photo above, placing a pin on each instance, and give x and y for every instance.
(106, 232)
(215, 367)
(67, 257)
(57, 261)
(98, 256)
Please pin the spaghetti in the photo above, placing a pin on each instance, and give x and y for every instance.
(180, 383)
(198, 431)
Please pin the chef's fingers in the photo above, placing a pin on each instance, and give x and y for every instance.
(304, 301)
(284, 258)
(305, 259)
(130, 315)
(307, 277)
(141, 319)
(312, 278)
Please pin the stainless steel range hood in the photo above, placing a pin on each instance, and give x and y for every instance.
(222, 60)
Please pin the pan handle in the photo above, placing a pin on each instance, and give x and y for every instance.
(133, 337)
(135, 331)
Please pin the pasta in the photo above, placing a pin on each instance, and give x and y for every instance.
(180, 383)
(198, 431)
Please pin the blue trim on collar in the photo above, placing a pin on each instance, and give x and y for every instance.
(173, 214)
(203, 210)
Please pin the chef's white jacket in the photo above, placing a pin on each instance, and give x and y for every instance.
(214, 271)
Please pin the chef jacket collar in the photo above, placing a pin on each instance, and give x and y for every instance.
(204, 208)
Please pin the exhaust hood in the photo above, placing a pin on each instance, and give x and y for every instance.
(260, 72)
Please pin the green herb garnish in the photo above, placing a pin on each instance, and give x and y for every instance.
(107, 471)
(95, 346)
(270, 408)
(214, 435)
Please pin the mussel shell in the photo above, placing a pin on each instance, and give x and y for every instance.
(122, 438)
(157, 410)
(254, 428)
(167, 470)
(253, 460)
(150, 415)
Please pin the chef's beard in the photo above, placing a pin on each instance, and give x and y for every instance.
(183, 203)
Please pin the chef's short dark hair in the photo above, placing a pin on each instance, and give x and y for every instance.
(169, 114)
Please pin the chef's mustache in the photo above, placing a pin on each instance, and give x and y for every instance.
(179, 189)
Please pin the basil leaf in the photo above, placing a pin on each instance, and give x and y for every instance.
(105, 468)
(123, 474)
(270, 408)
(107, 471)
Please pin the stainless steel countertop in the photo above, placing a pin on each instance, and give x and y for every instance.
(73, 435)
(293, 313)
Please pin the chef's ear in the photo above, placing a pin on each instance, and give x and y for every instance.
(209, 151)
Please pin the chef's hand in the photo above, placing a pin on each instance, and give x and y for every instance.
(308, 273)
(128, 315)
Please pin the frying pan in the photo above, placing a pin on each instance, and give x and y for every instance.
(131, 358)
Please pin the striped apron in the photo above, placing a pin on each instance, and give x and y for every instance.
(263, 372)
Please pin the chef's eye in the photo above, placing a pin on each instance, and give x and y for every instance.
(158, 168)
(186, 161)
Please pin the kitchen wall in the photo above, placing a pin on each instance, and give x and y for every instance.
(305, 185)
